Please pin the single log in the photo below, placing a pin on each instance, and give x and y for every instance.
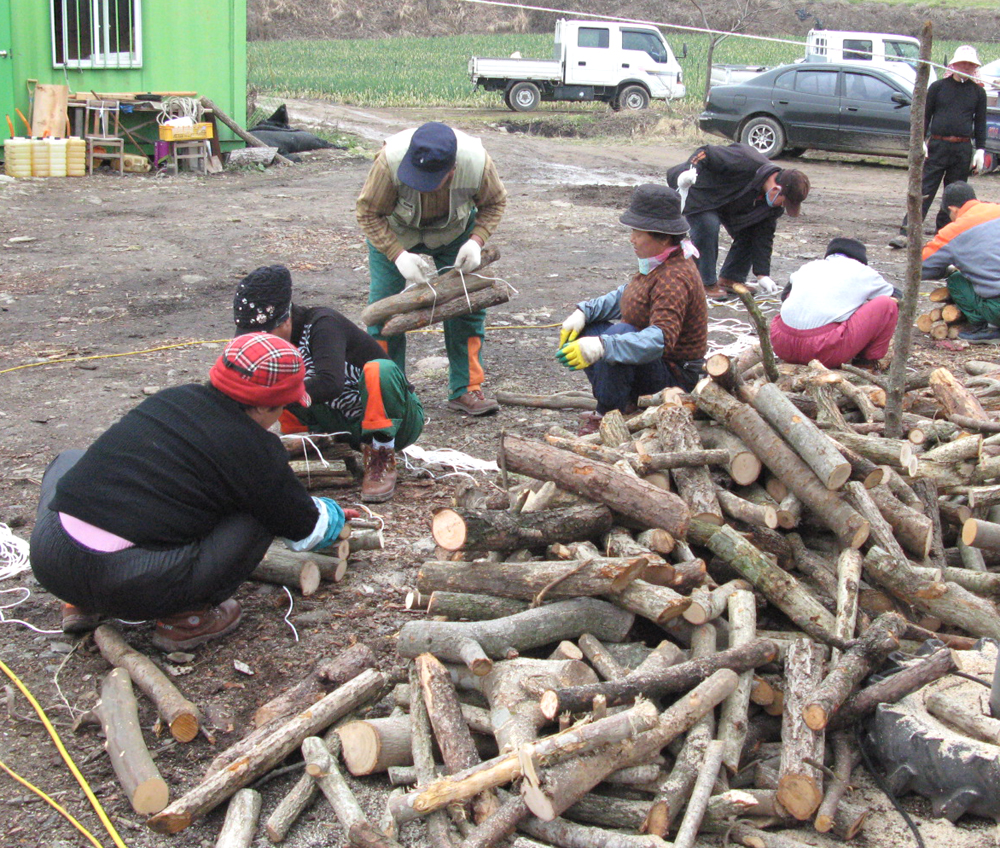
(943, 705)
(304, 576)
(692, 458)
(743, 466)
(181, 716)
(783, 461)
(708, 605)
(322, 767)
(816, 448)
(695, 812)
(844, 761)
(985, 583)
(789, 512)
(500, 530)
(443, 288)
(240, 824)
(659, 604)
(363, 834)
(778, 586)
(763, 328)
(474, 642)
(743, 510)
(606, 811)
(613, 431)
(896, 453)
(752, 837)
(677, 678)
(848, 593)
(800, 785)
(676, 432)
(557, 400)
(555, 789)
(422, 743)
(118, 712)
(635, 499)
(600, 658)
(948, 602)
(856, 663)
(250, 140)
(211, 792)
(954, 397)
(496, 293)
(289, 808)
(567, 834)
(325, 675)
(981, 534)
(733, 719)
(460, 787)
(554, 579)
(913, 529)
(880, 529)
(499, 826)
(376, 744)
(566, 650)
(893, 688)
(472, 607)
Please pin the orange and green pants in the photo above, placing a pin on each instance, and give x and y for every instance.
(463, 336)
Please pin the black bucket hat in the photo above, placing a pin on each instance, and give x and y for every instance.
(851, 248)
(655, 209)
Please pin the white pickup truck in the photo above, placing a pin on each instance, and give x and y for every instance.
(624, 65)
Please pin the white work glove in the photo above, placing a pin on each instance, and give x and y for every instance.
(684, 182)
(572, 326)
(581, 353)
(978, 161)
(925, 150)
(470, 256)
(415, 269)
(765, 285)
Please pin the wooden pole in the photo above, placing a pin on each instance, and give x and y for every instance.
(239, 131)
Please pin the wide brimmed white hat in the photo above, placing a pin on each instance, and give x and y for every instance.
(966, 53)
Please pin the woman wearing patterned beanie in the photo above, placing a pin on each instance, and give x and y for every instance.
(168, 512)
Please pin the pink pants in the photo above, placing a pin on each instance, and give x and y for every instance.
(866, 334)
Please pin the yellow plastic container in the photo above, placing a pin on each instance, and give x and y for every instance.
(57, 157)
(17, 157)
(76, 157)
(40, 157)
(198, 131)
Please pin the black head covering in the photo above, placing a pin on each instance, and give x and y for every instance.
(655, 209)
(848, 247)
(263, 299)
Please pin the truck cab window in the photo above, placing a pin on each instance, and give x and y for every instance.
(902, 51)
(647, 42)
(855, 49)
(593, 37)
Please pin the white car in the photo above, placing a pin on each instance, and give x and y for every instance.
(990, 74)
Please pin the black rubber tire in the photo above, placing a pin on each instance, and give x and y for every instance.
(764, 134)
(524, 96)
(506, 100)
(793, 152)
(632, 98)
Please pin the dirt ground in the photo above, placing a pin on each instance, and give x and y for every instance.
(132, 278)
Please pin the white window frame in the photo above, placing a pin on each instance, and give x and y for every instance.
(101, 22)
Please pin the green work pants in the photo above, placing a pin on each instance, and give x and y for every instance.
(463, 336)
(392, 409)
(978, 310)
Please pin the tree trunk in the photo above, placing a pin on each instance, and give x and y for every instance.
(800, 785)
(182, 717)
(501, 530)
(641, 501)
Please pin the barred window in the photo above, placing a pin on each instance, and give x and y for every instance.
(96, 34)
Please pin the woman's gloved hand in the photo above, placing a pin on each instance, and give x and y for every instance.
(765, 285)
(470, 256)
(581, 353)
(414, 268)
(572, 327)
(352, 514)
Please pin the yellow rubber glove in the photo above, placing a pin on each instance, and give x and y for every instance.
(581, 353)
(572, 327)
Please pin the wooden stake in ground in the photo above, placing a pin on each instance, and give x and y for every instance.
(182, 717)
(118, 712)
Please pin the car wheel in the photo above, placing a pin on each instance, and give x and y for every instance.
(633, 98)
(793, 152)
(764, 134)
(524, 97)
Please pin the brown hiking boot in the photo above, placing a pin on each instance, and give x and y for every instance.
(78, 620)
(718, 292)
(379, 481)
(474, 403)
(186, 630)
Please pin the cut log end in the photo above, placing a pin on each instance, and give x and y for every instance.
(448, 529)
(549, 705)
(840, 475)
(799, 794)
(744, 468)
(860, 535)
(815, 717)
(169, 823)
(481, 666)
(151, 796)
(184, 728)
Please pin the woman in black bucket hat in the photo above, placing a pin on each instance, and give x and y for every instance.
(652, 332)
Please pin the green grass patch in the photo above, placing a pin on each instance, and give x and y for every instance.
(420, 72)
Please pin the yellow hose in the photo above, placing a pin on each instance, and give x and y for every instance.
(103, 816)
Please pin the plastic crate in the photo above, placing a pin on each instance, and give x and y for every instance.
(198, 131)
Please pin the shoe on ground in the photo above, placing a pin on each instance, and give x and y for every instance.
(474, 403)
(590, 422)
(379, 480)
(718, 292)
(78, 620)
(187, 630)
(980, 334)
(898, 242)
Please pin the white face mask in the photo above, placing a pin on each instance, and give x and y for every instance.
(648, 263)
(772, 200)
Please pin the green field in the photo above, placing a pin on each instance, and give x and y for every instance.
(434, 71)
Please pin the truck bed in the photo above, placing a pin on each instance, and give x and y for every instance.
(526, 69)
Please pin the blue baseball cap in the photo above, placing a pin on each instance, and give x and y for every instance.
(430, 157)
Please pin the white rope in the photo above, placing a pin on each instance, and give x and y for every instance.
(291, 606)
(28, 624)
(437, 459)
(465, 289)
(13, 553)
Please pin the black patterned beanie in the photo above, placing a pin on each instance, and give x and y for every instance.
(263, 299)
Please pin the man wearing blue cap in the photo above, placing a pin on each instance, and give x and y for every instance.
(433, 192)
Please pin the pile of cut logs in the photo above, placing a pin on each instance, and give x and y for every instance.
(944, 320)
(666, 632)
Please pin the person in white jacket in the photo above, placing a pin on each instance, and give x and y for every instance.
(836, 309)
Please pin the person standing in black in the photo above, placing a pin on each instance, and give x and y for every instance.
(954, 132)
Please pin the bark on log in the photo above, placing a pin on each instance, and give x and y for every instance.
(779, 587)
(942, 705)
(240, 824)
(322, 767)
(856, 663)
(893, 688)
(743, 510)
(496, 293)
(304, 576)
(374, 745)
(181, 715)
(733, 718)
(913, 529)
(500, 530)
(423, 758)
(708, 605)
(605, 811)
(659, 604)
(783, 461)
(472, 607)
(677, 678)
(981, 534)
(896, 453)
(636, 499)
(800, 785)
(676, 432)
(695, 812)
(743, 466)
(752, 837)
(844, 761)
(327, 674)
(848, 593)
(474, 642)
(222, 784)
(365, 835)
(557, 400)
(954, 397)
(251, 141)
(118, 712)
(525, 581)
(567, 834)
(600, 658)
(499, 826)
(444, 288)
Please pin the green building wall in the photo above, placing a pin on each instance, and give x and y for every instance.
(187, 45)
